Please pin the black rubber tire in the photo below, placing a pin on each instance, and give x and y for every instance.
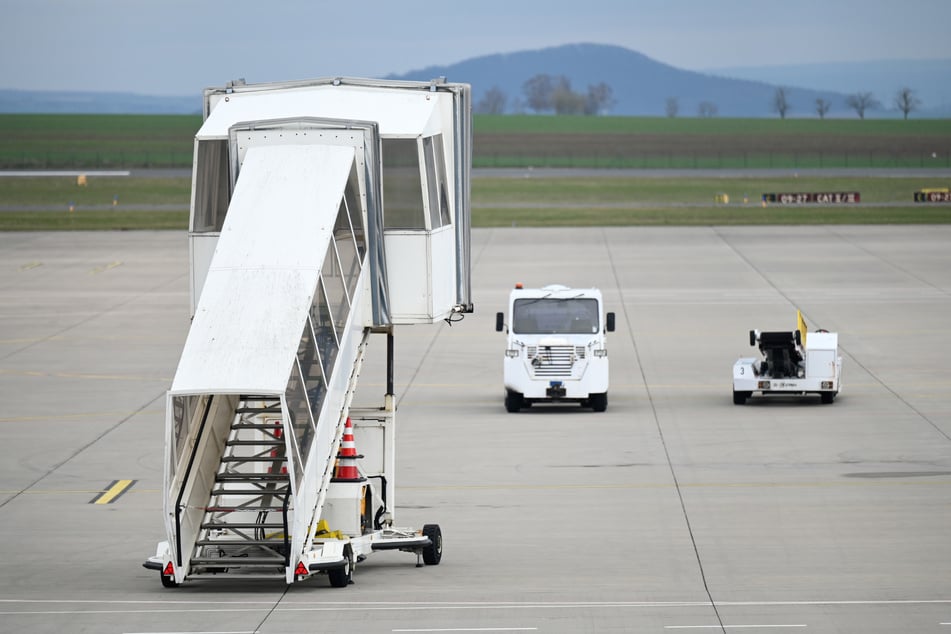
(513, 401)
(739, 398)
(168, 581)
(341, 577)
(599, 402)
(827, 397)
(432, 554)
(752, 337)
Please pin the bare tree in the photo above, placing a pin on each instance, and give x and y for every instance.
(781, 102)
(906, 101)
(492, 102)
(706, 109)
(538, 92)
(672, 107)
(860, 102)
(599, 99)
(822, 107)
(568, 102)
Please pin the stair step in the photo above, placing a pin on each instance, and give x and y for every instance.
(257, 492)
(249, 542)
(253, 443)
(252, 477)
(253, 459)
(240, 525)
(239, 509)
(231, 562)
(261, 426)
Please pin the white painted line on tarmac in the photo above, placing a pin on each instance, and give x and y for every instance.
(729, 627)
(64, 173)
(472, 629)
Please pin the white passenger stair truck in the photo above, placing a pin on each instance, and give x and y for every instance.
(555, 348)
(793, 362)
(272, 470)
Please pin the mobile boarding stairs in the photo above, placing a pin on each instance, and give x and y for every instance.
(271, 471)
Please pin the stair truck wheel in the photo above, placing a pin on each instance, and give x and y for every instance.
(599, 402)
(341, 577)
(168, 581)
(739, 398)
(513, 401)
(827, 397)
(432, 554)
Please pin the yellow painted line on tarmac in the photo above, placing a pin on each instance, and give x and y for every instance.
(71, 416)
(83, 375)
(683, 485)
(105, 267)
(76, 491)
(112, 493)
(30, 265)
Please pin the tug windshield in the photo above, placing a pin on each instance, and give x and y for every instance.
(545, 315)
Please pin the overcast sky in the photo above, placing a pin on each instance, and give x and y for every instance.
(179, 47)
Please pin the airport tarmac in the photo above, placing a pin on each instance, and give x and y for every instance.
(674, 510)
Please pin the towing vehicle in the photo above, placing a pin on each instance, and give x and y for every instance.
(556, 348)
(793, 362)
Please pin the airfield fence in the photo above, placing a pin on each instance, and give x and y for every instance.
(720, 160)
(528, 159)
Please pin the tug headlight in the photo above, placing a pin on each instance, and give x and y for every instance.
(601, 352)
(763, 385)
(512, 353)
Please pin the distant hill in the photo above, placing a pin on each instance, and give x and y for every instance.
(640, 85)
(54, 102)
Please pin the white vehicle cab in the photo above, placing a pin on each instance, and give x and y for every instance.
(793, 363)
(555, 349)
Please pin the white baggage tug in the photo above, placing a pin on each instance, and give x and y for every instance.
(793, 363)
(271, 472)
(555, 347)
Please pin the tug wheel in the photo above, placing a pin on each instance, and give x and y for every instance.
(599, 402)
(168, 581)
(513, 401)
(432, 554)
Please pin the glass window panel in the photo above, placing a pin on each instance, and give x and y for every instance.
(324, 332)
(402, 186)
(212, 186)
(432, 186)
(556, 316)
(311, 370)
(355, 210)
(335, 289)
(299, 411)
(183, 417)
(347, 250)
(439, 158)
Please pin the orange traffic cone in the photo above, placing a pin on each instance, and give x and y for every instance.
(347, 458)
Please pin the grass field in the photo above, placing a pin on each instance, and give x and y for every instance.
(150, 203)
(130, 141)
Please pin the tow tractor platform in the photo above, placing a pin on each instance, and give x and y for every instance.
(793, 363)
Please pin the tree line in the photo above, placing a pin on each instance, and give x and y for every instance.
(551, 94)
(905, 101)
(544, 94)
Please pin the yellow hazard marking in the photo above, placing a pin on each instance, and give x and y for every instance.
(106, 267)
(30, 265)
(112, 493)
